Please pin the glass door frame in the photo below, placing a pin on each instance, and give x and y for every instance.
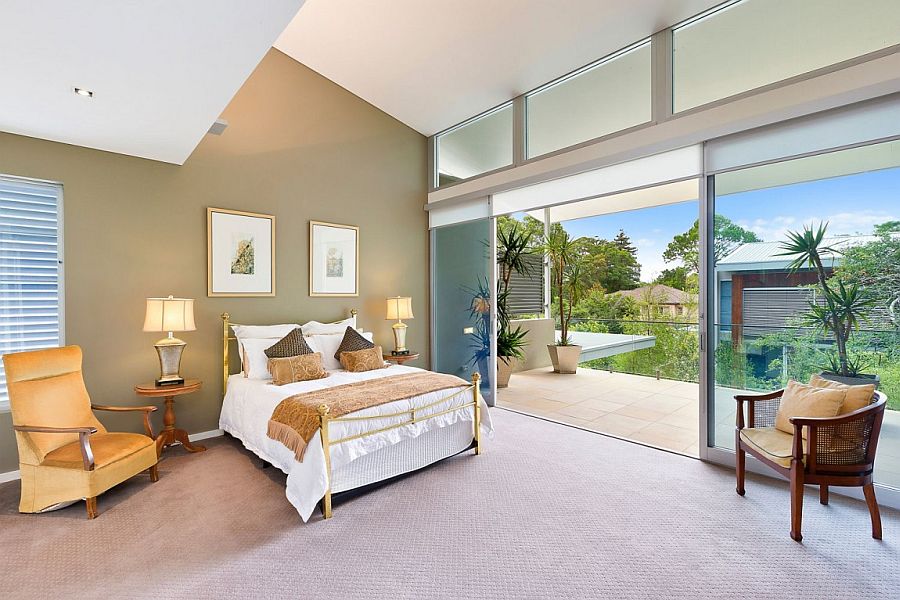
(492, 281)
(887, 496)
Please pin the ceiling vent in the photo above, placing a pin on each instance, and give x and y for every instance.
(218, 127)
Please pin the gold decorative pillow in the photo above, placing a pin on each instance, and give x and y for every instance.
(801, 400)
(363, 360)
(858, 396)
(304, 367)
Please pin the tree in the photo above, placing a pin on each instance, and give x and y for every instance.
(887, 227)
(875, 266)
(609, 265)
(727, 236)
(531, 226)
(611, 309)
(623, 242)
(676, 277)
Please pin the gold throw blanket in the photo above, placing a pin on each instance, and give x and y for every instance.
(296, 419)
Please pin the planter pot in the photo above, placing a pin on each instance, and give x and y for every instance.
(564, 358)
(505, 367)
(861, 379)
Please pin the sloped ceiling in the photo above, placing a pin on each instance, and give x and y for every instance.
(161, 71)
(432, 64)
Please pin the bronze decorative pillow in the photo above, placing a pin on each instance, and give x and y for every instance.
(353, 341)
(304, 367)
(293, 344)
(358, 361)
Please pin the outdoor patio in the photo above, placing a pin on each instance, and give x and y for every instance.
(658, 412)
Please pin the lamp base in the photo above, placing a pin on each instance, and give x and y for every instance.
(399, 338)
(169, 350)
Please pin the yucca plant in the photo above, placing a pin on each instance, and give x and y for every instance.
(514, 245)
(846, 306)
(565, 256)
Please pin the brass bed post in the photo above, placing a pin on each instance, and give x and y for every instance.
(323, 432)
(225, 335)
(476, 381)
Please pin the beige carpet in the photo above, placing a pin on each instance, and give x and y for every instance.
(547, 512)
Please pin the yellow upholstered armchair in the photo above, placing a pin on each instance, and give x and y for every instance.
(823, 451)
(65, 453)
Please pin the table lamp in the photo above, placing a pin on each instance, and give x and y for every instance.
(399, 308)
(169, 314)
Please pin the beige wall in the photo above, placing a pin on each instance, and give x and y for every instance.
(297, 146)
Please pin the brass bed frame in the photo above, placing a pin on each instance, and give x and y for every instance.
(325, 420)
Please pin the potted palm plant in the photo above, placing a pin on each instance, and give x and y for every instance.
(843, 308)
(565, 256)
(514, 245)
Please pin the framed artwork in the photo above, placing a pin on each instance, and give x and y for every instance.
(333, 259)
(240, 249)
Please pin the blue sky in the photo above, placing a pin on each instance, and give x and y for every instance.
(851, 204)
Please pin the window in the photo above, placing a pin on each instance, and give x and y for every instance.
(30, 269)
(476, 147)
(768, 336)
(602, 98)
(753, 43)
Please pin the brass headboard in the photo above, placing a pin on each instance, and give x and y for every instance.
(227, 337)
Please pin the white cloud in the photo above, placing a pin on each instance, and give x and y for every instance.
(843, 223)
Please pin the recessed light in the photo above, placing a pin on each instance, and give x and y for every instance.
(84, 92)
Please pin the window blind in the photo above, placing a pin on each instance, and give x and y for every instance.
(30, 269)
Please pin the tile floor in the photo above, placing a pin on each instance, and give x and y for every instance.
(657, 412)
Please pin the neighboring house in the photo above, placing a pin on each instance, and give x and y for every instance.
(658, 301)
(759, 295)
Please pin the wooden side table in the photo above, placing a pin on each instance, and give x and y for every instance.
(400, 358)
(170, 435)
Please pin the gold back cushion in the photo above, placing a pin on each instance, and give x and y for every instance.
(801, 400)
(46, 389)
(358, 361)
(304, 367)
(858, 396)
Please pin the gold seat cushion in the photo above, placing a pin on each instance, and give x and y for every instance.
(773, 444)
(106, 447)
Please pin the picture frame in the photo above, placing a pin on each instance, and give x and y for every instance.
(333, 260)
(240, 253)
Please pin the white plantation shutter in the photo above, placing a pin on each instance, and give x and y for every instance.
(30, 269)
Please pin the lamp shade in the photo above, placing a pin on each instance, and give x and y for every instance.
(169, 314)
(399, 308)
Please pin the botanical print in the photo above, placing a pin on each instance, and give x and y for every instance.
(334, 262)
(243, 263)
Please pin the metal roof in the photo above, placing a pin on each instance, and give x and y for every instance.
(756, 256)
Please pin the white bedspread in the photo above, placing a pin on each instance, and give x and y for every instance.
(249, 404)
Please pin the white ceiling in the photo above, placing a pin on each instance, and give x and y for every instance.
(433, 64)
(161, 71)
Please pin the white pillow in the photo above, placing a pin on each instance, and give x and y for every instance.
(316, 328)
(263, 331)
(254, 361)
(328, 345)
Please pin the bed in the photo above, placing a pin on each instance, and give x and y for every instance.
(358, 449)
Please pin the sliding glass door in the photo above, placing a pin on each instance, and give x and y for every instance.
(462, 302)
(763, 304)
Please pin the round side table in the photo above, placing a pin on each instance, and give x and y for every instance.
(170, 435)
(400, 358)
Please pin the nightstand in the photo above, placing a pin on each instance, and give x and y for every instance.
(401, 358)
(170, 435)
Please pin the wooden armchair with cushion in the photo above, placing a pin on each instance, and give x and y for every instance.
(834, 450)
(65, 453)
